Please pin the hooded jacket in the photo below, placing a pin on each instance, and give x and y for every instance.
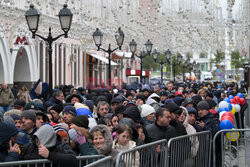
(59, 153)
(6, 132)
(191, 130)
(134, 159)
(106, 149)
(6, 97)
(151, 101)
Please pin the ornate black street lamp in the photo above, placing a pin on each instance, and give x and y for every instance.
(133, 46)
(155, 56)
(65, 17)
(98, 36)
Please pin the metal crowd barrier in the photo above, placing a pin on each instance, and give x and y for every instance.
(82, 161)
(104, 162)
(190, 150)
(231, 148)
(148, 155)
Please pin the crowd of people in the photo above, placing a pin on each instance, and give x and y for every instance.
(105, 121)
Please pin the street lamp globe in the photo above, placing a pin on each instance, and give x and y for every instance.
(32, 18)
(149, 46)
(98, 36)
(179, 58)
(132, 46)
(155, 54)
(119, 36)
(168, 54)
(65, 17)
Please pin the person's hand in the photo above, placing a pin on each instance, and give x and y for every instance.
(158, 149)
(200, 123)
(83, 131)
(43, 151)
(80, 139)
(13, 148)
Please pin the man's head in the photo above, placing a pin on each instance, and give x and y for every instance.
(203, 108)
(58, 95)
(29, 120)
(19, 104)
(69, 113)
(170, 87)
(4, 86)
(163, 117)
(55, 110)
(115, 102)
(192, 114)
(102, 108)
(175, 110)
(164, 96)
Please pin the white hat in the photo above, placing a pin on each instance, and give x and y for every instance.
(146, 110)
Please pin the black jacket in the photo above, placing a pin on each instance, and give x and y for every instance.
(61, 155)
(180, 129)
(156, 132)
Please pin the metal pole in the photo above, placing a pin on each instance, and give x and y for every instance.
(171, 76)
(109, 79)
(161, 72)
(174, 71)
(141, 69)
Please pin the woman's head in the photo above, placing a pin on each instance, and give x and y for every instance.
(98, 139)
(123, 134)
(114, 120)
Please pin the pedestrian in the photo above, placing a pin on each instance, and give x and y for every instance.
(123, 142)
(8, 147)
(23, 94)
(47, 145)
(147, 114)
(102, 141)
(6, 98)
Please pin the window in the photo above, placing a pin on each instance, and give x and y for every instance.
(41, 59)
(203, 55)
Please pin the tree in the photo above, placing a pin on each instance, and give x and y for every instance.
(219, 57)
(237, 60)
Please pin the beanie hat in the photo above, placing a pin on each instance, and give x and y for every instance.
(133, 113)
(209, 94)
(178, 100)
(146, 110)
(141, 97)
(192, 110)
(31, 105)
(197, 99)
(58, 108)
(70, 109)
(19, 103)
(168, 101)
(163, 93)
(211, 103)
(29, 114)
(173, 108)
(81, 121)
(40, 106)
(15, 117)
(203, 105)
(73, 135)
(9, 120)
(116, 100)
(120, 109)
(100, 98)
(90, 104)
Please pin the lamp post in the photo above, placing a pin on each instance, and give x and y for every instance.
(98, 36)
(185, 65)
(155, 56)
(179, 58)
(169, 59)
(133, 46)
(65, 17)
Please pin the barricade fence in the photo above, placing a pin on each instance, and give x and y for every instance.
(104, 162)
(148, 155)
(231, 148)
(82, 161)
(190, 150)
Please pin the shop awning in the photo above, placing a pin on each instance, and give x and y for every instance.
(125, 55)
(102, 58)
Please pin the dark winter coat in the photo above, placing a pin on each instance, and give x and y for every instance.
(60, 153)
(157, 132)
(52, 101)
(211, 123)
(180, 129)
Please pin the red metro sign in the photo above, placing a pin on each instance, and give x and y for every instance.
(22, 41)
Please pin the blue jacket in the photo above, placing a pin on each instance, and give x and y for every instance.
(211, 123)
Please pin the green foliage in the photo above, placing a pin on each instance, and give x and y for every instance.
(237, 60)
(219, 57)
